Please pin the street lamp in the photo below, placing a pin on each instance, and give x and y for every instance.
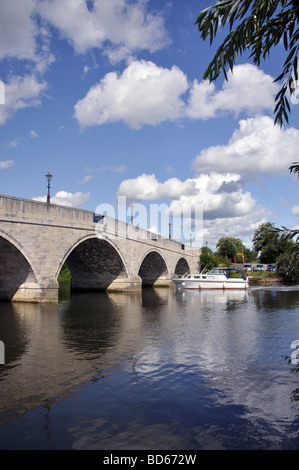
(49, 177)
(132, 212)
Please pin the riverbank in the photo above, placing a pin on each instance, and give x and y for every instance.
(261, 278)
(265, 280)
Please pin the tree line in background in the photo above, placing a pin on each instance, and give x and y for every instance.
(270, 246)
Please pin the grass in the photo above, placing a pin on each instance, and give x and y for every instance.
(268, 274)
(262, 273)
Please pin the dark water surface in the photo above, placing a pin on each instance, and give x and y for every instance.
(159, 370)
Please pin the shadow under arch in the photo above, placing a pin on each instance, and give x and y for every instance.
(94, 263)
(182, 267)
(153, 270)
(15, 267)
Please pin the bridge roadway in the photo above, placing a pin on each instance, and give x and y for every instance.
(102, 253)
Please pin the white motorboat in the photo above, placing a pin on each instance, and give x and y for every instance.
(190, 281)
(217, 278)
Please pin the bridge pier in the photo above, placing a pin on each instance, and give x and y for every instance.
(30, 292)
(123, 284)
(162, 281)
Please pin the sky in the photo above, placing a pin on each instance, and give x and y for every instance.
(108, 95)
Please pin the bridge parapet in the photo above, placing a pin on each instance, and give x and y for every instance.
(27, 208)
(17, 209)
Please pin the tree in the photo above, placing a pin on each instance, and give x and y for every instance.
(208, 259)
(264, 237)
(229, 246)
(288, 261)
(294, 168)
(259, 26)
(288, 264)
(269, 244)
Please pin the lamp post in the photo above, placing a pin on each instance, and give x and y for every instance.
(49, 177)
(132, 212)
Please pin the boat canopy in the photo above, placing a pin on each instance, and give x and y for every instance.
(226, 271)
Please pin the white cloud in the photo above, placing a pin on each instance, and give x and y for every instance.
(247, 89)
(33, 135)
(241, 227)
(5, 164)
(114, 169)
(65, 198)
(17, 29)
(228, 210)
(257, 147)
(21, 37)
(127, 26)
(85, 179)
(295, 210)
(148, 94)
(21, 92)
(143, 94)
(13, 144)
(147, 188)
(119, 28)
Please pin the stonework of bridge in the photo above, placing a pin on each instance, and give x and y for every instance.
(102, 253)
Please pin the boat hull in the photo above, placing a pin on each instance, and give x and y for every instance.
(215, 284)
(185, 284)
(216, 279)
(210, 284)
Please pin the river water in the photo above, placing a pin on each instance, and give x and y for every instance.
(165, 369)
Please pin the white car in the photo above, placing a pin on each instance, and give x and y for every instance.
(247, 267)
(259, 267)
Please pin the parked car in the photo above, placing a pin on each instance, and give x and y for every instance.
(271, 267)
(259, 267)
(247, 267)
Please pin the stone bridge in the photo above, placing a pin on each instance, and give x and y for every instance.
(102, 253)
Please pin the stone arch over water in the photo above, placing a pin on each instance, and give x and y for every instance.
(153, 269)
(182, 267)
(15, 268)
(95, 264)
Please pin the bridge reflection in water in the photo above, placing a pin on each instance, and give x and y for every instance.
(151, 370)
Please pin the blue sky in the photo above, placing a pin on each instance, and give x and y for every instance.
(108, 96)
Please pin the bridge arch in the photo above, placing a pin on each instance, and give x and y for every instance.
(153, 269)
(95, 264)
(182, 267)
(16, 268)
